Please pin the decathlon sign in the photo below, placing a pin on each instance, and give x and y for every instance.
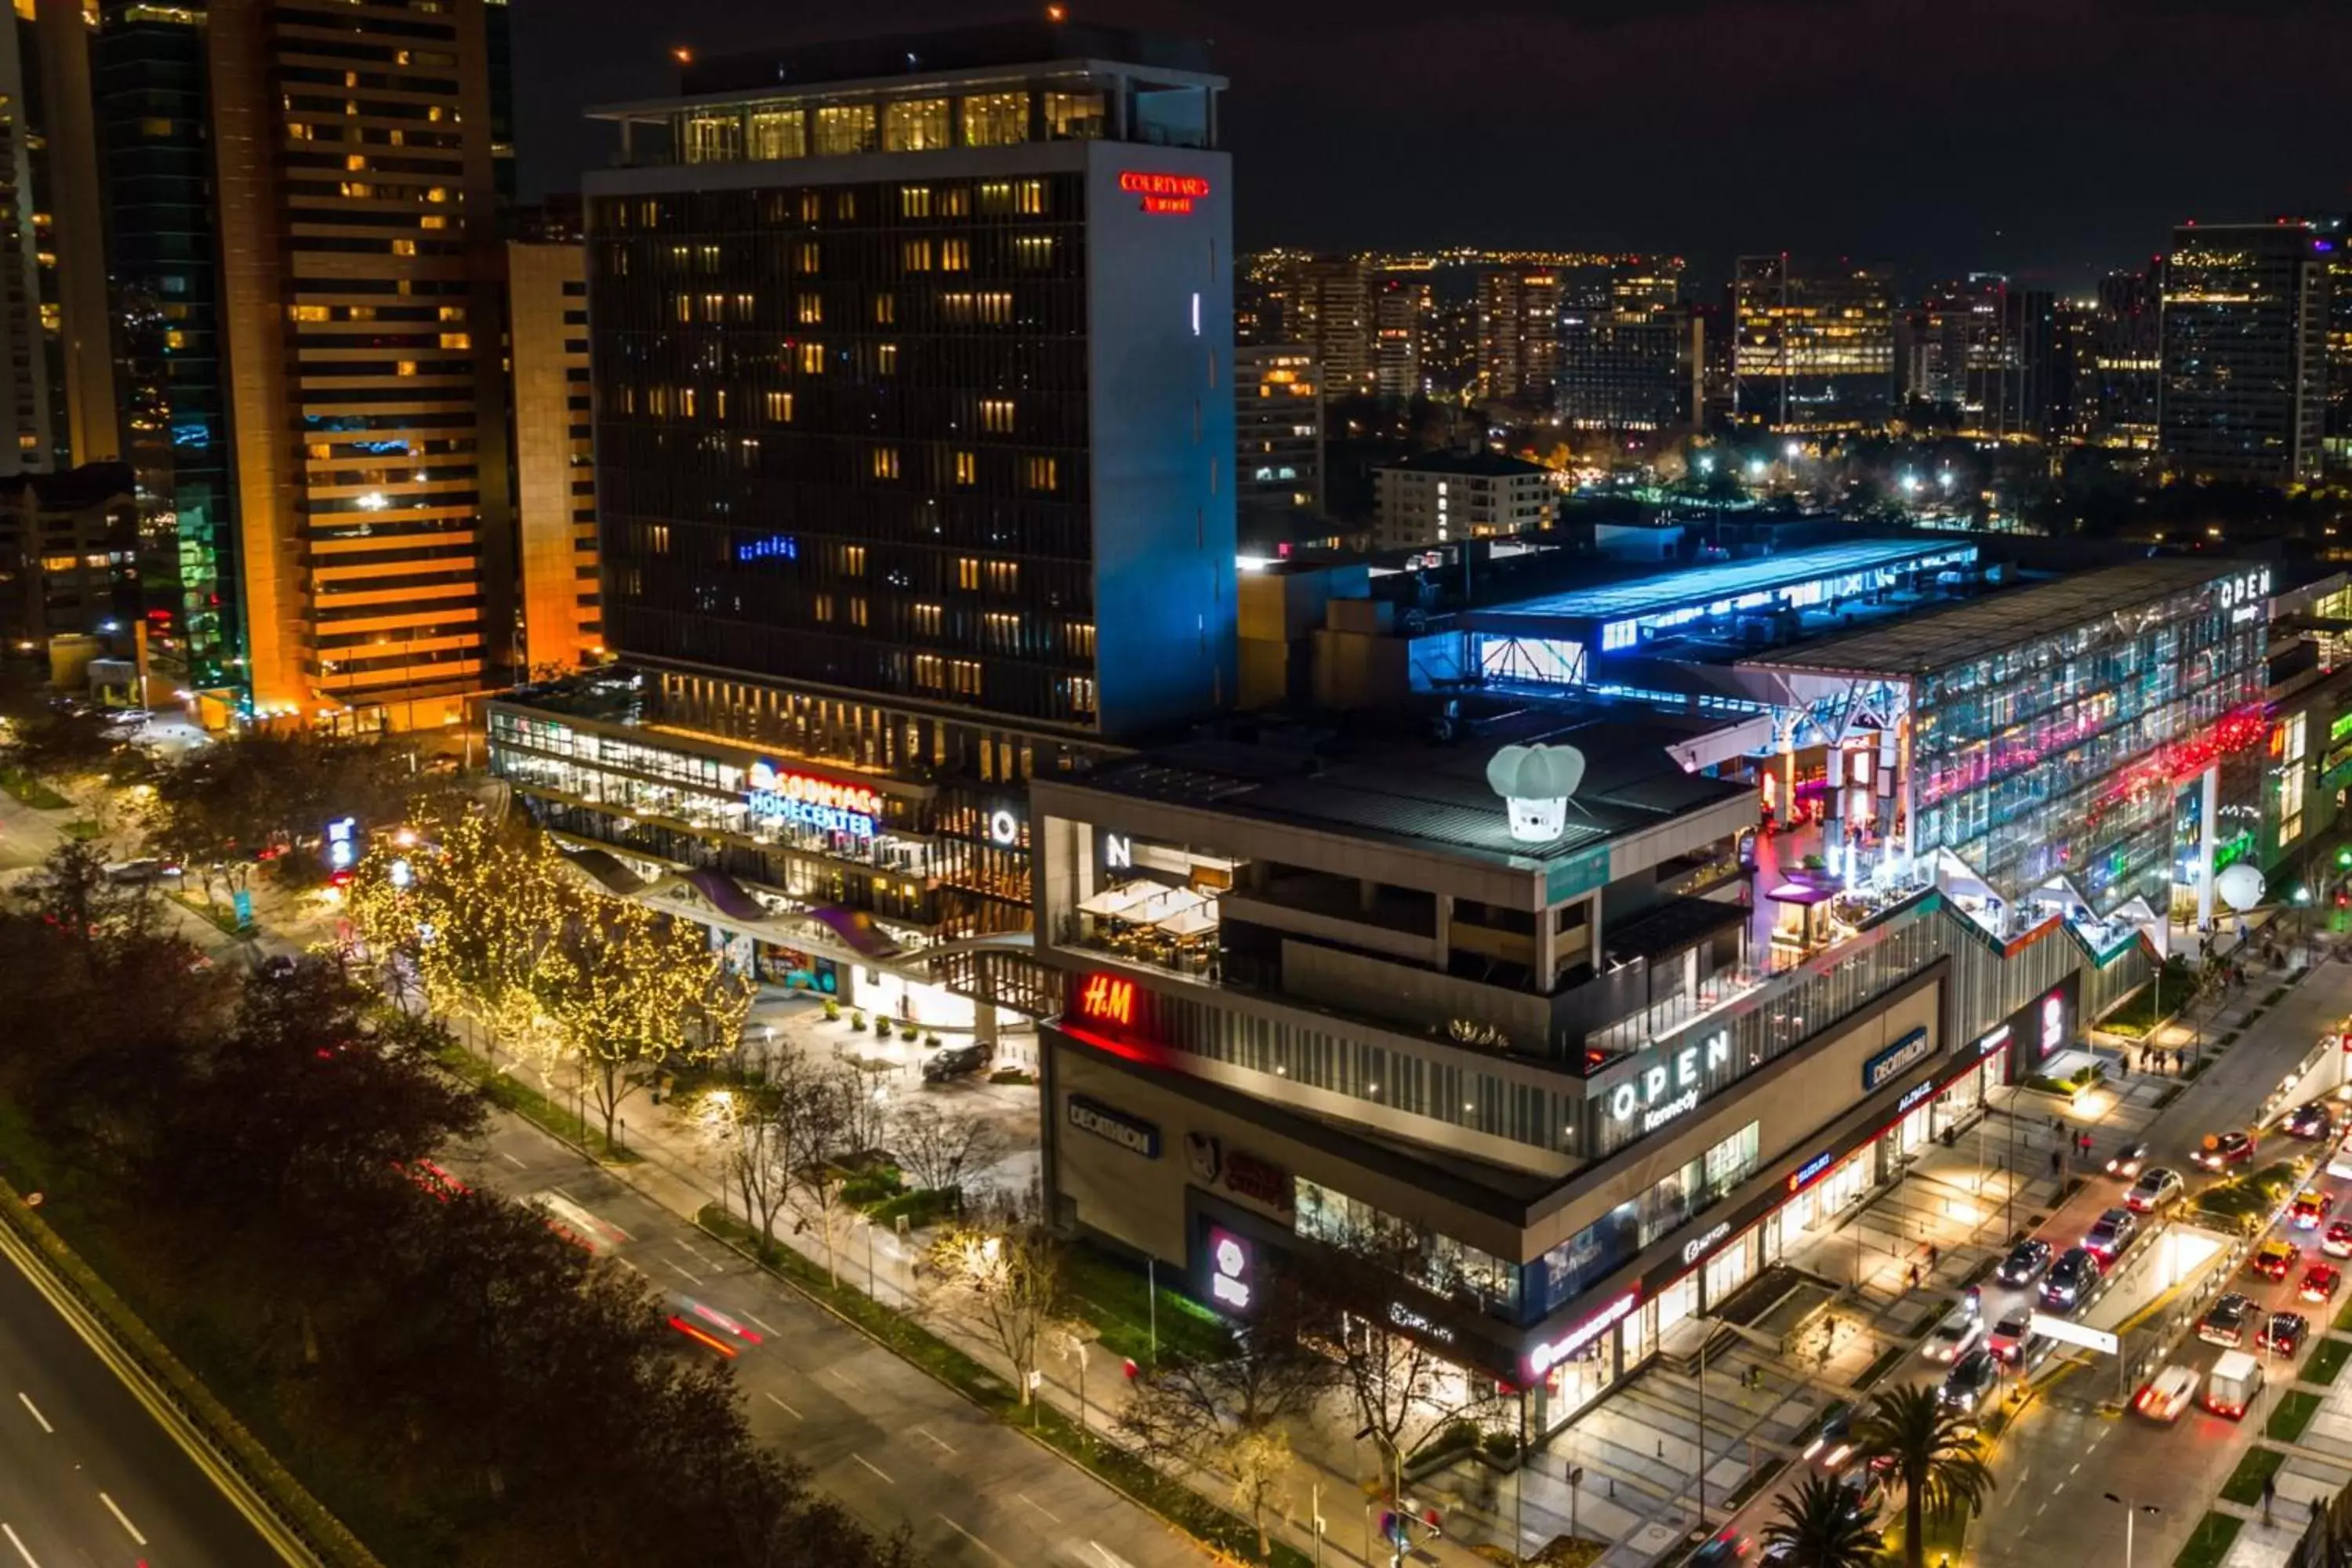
(1911, 1048)
(1670, 1086)
(1131, 1133)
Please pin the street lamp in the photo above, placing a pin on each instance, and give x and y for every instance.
(2131, 1513)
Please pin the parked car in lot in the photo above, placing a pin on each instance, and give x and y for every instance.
(2224, 1323)
(954, 1062)
(2314, 1121)
(2167, 1393)
(1971, 1381)
(2320, 1283)
(2070, 1278)
(2274, 1259)
(2126, 1161)
(2112, 1231)
(2337, 1242)
(2025, 1262)
(2283, 1334)
(2310, 1206)
(2157, 1187)
(2223, 1150)
(1956, 1335)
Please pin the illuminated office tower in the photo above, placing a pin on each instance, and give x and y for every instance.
(1981, 349)
(555, 453)
(1518, 332)
(360, 312)
(1811, 351)
(2119, 372)
(1403, 309)
(1279, 427)
(2245, 339)
(1331, 318)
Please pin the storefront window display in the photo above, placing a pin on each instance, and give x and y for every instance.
(1438, 1264)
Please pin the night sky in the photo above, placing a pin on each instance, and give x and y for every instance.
(2049, 139)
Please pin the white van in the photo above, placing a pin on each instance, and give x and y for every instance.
(2230, 1388)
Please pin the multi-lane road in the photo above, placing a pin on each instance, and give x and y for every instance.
(88, 1478)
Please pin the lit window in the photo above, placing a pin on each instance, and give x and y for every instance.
(926, 619)
(1042, 473)
(914, 200)
(996, 416)
(885, 462)
(808, 256)
(809, 310)
(966, 468)
(812, 359)
(885, 359)
(847, 128)
(1034, 250)
(996, 119)
(778, 134)
(968, 573)
(1029, 197)
(955, 255)
(1074, 116)
(914, 125)
(853, 561)
(914, 255)
(305, 312)
(457, 340)
(405, 367)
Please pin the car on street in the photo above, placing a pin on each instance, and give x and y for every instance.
(2126, 1161)
(1954, 1337)
(2076, 1270)
(574, 1223)
(708, 1327)
(2025, 1262)
(1833, 1443)
(2314, 1121)
(2274, 1259)
(2320, 1283)
(1971, 1381)
(2222, 1150)
(2167, 1393)
(2283, 1334)
(1728, 1547)
(2013, 1339)
(433, 1179)
(2310, 1206)
(2112, 1231)
(2337, 1242)
(126, 873)
(2157, 1187)
(2224, 1323)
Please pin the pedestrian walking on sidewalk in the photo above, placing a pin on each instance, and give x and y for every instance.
(1911, 1277)
(2270, 1490)
(1932, 1256)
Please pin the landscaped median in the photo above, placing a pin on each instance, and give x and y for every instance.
(502, 1089)
(2208, 1545)
(292, 1518)
(2326, 1362)
(911, 1342)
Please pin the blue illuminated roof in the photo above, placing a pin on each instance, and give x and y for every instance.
(1704, 584)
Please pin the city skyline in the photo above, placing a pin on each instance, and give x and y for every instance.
(1689, 111)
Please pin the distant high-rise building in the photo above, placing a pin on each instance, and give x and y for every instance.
(1518, 333)
(1401, 311)
(1811, 351)
(1449, 354)
(1277, 428)
(1266, 295)
(2119, 368)
(2245, 352)
(2336, 243)
(555, 453)
(1636, 363)
(69, 553)
(1981, 347)
(1330, 316)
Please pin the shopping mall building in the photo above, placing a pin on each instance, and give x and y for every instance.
(1321, 992)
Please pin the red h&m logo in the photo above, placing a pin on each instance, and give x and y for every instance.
(1108, 1000)
(1163, 192)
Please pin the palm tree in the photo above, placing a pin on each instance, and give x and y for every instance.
(1934, 1453)
(1820, 1522)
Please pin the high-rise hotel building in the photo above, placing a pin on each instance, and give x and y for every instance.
(914, 434)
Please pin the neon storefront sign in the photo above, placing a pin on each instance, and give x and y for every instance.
(1544, 1357)
(1229, 1271)
(1163, 192)
(1668, 1088)
(804, 800)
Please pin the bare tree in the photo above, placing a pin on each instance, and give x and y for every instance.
(938, 1147)
(1226, 1415)
(1005, 1270)
(863, 1112)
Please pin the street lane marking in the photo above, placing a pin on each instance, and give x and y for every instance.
(786, 1408)
(697, 1256)
(37, 1414)
(510, 1160)
(1040, 1506)
(975, 1539)
(871, 1466)
(846, 1378)
(692, 1277)
(19, 1545)
(925, 1432)
(762, 1325)
(123, 1519)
